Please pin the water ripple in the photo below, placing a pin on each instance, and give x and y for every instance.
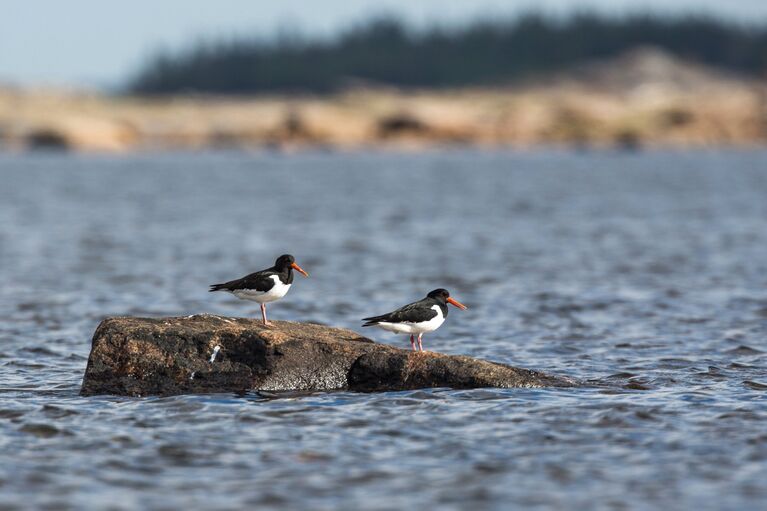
(642, 275)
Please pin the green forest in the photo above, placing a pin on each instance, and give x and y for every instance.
(387, 52)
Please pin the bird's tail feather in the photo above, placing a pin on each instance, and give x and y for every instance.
(373, 320)
(216, 287)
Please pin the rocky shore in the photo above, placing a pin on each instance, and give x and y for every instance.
(203, 354)
(645, 98)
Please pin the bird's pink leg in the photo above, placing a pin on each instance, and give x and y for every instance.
(420, 346)
(412, 342)
(263, 313)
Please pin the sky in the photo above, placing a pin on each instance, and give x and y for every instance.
(99, 43)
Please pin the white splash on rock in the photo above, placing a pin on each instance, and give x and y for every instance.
(215, 352)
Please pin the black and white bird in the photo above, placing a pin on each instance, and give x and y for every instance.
(417, 318)
(266, 285)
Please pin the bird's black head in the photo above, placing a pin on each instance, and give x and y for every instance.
(440, 295)
(286, 262)
(443, 296)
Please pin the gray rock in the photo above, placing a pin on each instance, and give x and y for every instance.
(142, 356)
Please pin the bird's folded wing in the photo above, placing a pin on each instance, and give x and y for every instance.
(412, 313)
(259, 281)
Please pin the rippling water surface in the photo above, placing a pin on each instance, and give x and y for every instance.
(644, 273)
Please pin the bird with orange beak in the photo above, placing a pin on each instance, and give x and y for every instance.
(266, 285)
(417, 318)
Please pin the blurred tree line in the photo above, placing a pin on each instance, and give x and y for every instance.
(386, 51)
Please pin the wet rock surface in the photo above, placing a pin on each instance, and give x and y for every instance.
(165, 356)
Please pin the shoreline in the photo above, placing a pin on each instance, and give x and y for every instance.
(643, 100)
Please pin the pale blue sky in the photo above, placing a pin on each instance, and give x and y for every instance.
(96, 43)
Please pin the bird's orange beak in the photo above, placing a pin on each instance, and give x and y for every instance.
(456, 303)
(299, 269)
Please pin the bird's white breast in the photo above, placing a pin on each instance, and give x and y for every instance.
(409, 327)
(277, 291)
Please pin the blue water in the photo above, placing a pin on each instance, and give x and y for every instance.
(644, 273)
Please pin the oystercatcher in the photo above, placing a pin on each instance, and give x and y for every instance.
(418, 317)
(266, 285)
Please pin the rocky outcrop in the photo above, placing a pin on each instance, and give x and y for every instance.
(204, 353)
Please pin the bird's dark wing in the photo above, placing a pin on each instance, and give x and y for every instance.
(413, 312)
(260, 281)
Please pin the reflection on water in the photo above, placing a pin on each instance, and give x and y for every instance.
(645, 273)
